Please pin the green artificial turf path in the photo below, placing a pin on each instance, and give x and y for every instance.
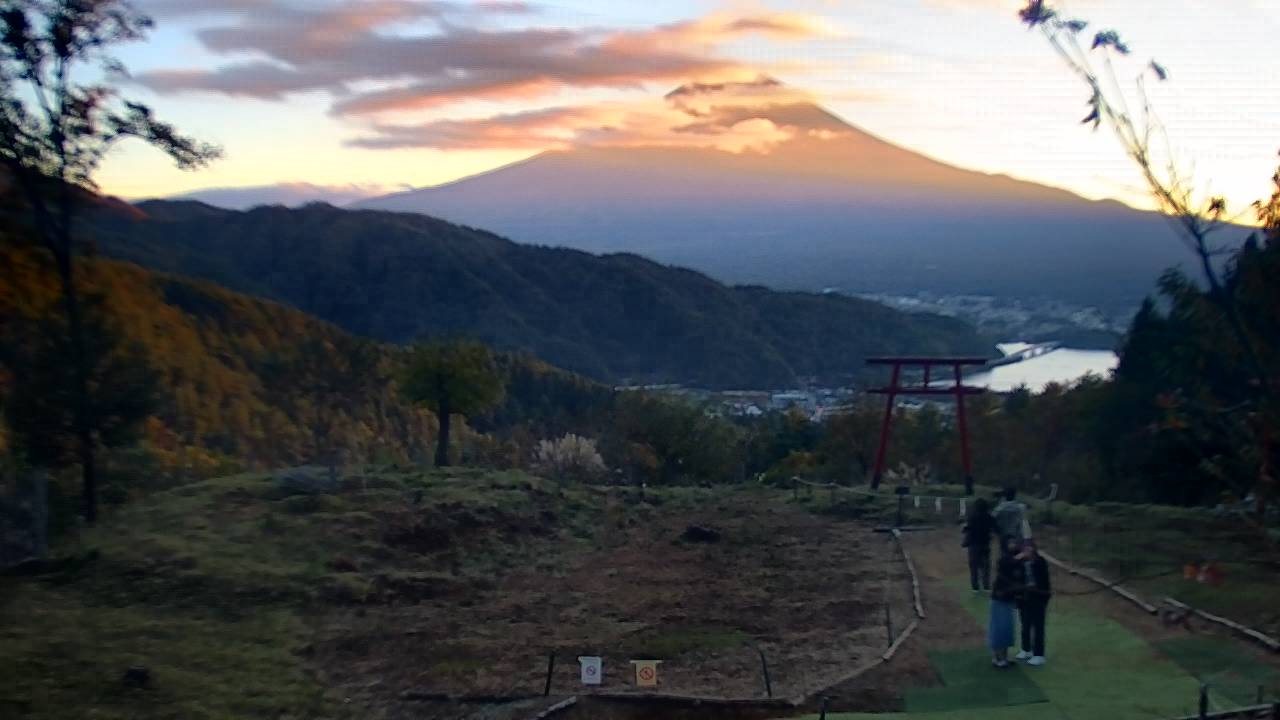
(1219, 663)
(968, 681)
(1097, 670)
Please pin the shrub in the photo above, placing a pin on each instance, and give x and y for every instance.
(571, 457)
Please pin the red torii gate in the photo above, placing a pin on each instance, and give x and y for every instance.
(959, 390)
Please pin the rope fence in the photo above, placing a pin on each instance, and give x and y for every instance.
(941, 502)
(911, 569)
(1255, 712)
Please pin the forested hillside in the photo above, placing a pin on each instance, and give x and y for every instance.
(241, 381)
(400, 276)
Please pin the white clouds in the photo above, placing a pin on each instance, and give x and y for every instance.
(291, 194)
(979, 5)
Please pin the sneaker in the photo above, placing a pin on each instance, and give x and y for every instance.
(1022, 655)
(1036, 660)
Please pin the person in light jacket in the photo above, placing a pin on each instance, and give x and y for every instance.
(1011, 518)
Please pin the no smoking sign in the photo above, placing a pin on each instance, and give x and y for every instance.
(592, 669)
(646, 672)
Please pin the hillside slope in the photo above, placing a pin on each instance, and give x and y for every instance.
(400, 276)
(247, 381)
(246, 600)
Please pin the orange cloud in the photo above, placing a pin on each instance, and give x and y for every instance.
(734, 116)
(344, 48)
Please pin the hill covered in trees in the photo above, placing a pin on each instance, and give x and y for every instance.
(234, 381)
(401, 276)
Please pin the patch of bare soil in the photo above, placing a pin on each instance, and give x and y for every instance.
(937, 555)
(807, 591)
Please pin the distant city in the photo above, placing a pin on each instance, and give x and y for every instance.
(1031, 366)
(1031, 319)
(816, 402)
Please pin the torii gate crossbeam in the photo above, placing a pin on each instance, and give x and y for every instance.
(959, 390)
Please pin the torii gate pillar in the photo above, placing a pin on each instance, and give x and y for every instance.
(896, 388)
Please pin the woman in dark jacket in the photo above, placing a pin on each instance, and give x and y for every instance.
(1033, 603)
(978, 529)
(1008, 584)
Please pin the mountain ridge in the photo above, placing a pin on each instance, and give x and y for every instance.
(616, 317)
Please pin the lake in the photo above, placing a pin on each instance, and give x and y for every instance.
(1063, 366)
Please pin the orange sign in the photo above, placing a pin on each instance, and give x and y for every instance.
(646, 672)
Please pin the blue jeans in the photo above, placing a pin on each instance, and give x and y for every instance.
(1000, 629)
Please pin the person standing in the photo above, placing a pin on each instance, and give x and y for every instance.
(1011, 518)
(1004, 593)
(978, 529)
(1033, 604)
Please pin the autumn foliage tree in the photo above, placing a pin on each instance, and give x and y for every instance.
(55, 129)
(451, 378)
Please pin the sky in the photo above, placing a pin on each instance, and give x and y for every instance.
(361, 97)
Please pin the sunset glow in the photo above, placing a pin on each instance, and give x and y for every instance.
(376, 95)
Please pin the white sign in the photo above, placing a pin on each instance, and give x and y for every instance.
(937, 504)
(591, 669)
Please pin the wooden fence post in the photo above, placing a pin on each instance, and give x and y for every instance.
(888, 625)
(764, 668)
(551, 666)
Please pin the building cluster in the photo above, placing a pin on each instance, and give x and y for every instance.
(1009, 317)
(816, 402)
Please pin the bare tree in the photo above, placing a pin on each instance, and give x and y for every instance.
(1128, 111)
(55, 131)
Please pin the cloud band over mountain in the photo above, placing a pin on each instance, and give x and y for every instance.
(378, 56)
(728, 115)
